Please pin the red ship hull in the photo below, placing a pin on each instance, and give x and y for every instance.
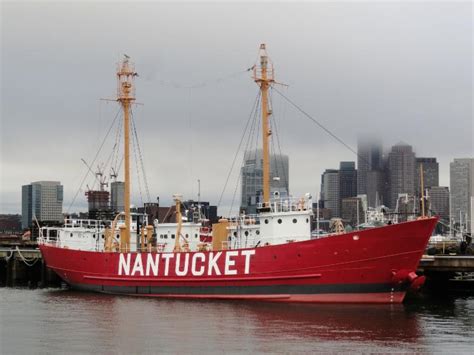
(370, 266)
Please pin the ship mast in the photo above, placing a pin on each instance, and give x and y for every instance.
(126, 96)
(264, 77)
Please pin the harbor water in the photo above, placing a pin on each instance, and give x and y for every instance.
(52, 320)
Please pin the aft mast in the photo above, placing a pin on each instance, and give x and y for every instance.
(264, 77)
(126, 96)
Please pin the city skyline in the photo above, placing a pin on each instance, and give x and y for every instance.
(334, 77)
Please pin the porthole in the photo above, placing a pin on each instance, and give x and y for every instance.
(266, 221)
(186, 235)
(93, 236)
(246, 233)
(307, 220)
(195, 235)
(235, 234)
(295, 220)
(166, 236)
(103, 236)
(258, 232)
(71, 235)
(172, 236)
(118, 236)
(279, 221)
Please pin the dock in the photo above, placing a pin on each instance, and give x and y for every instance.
(23, 265)
(446, 263)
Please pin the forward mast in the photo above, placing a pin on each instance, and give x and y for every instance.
(126, 96)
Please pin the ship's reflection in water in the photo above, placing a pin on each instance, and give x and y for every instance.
(64, 321)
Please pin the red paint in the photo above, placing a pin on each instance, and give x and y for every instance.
(372, 259)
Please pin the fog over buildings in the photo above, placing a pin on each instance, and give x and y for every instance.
(399, 70)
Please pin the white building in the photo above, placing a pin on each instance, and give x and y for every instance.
(462, 189)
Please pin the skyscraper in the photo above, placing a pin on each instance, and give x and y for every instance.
(462, 188)
(117, 191)
(330, 194)
(401, 172)
(370, 166)
(347, 179)
(252, 178)
(376, 186)
(352, 210)
(42, 200)
(439, 202)
(430, 173)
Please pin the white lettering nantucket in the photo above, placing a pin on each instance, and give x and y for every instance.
(247, 254)
(200, 264)
(153, 266)
(213, 263)
(124, 265)
(178, 262)
(167, 258)
(202, 258)
(229, 262)
(138, 265)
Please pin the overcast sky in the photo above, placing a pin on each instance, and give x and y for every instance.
(399, 70)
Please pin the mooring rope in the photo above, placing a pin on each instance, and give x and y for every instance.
(8, 257)
(29, 262)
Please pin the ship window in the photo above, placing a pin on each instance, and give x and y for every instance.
(294, 220)
(266, 221)
(279, 220)
(93, 236)
(103, 236)
(258, 232)
(187, 235)
(195, 235)
(235, 234)
(307, 220)
(172, 236)
(166, 236)
(71, 235)
(246, 233)
(118, 236)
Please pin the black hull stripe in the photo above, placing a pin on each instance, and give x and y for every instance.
(243, 290)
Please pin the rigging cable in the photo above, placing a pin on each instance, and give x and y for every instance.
(140, 155)
(205, 83)
(118, 140)
(95, 158)
(320, 125)
(135, 155)
(285, 173)
(248, 145)
(257, 98)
